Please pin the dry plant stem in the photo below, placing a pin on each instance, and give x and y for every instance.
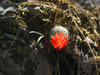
(93, 57)
(32, 18)
(98, 14)
(55, 18)
(9, 49)
(35, 3)
(57, 66)
(84, 36)
(57, 62)
(75, 22)
(88, 20)
(56, 14)
(97, 8)
(78, 70)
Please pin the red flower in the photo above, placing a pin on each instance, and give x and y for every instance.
(59, 41)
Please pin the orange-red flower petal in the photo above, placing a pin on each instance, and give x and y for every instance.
(59, 41)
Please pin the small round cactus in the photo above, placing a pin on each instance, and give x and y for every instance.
(58, 37)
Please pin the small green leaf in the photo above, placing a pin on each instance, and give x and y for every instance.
(47, 20)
